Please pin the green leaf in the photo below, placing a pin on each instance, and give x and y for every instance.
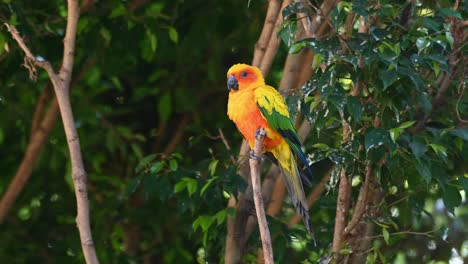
(417, 148)
(173, 164)
(207, 184)
(156, 167)
(449, 12)
(321, 146)
(106, 35)
(317, 61)
(395, 133)
(388, 78)
(449, 37)
(424, 170)
(345, 251)
(463, 182)
(287, 32)
(212, 167)
(203, 221)
(150, 185)
(296, 47)
(173, 35)
(165, 106)
(376, 137)
(180, 186)
(292, 9)
(407, 124)
(430, 23)
(120, 10)
(192, 186)
(452, 198)
(461, 133)
(186, 183)
(354, 107)
(360, 8)
(440, 150)
(2, 43)
(133, 185)
(144, 163)
(221, 216)
(385, 234)
(422, 43)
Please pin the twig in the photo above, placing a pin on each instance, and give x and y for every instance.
(255, 171)
(61, 83)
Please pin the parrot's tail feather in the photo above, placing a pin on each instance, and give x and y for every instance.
(293, 183)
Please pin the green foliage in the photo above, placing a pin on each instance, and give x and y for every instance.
(392, 117)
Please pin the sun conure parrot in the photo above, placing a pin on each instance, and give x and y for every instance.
(253, 105)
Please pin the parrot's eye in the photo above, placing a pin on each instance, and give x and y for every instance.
(244, 74)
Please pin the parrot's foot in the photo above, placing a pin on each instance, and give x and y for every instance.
(261, 132)
(255, 157)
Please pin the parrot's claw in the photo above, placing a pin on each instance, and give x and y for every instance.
(255, 157)
(260, 132)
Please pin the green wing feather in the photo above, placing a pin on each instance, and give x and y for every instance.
(275, 111)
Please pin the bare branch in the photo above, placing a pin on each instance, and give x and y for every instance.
(29, 159)
(255, 171)
(65, 72)
(61, 85)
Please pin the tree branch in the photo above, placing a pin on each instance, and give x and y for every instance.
(29, 159)
(255, 171)
(61, 83)
(268, 28)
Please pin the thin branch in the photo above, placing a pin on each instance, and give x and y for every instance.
(66, 70)
(178, 134)
(255, 171)
(61, 85)
(226, 144)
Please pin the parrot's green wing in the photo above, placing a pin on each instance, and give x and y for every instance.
(275, 111)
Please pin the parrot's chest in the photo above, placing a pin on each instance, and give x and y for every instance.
(245, 113)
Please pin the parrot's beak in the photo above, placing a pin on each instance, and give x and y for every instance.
(232, 83)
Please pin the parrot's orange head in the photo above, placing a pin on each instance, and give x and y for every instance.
(243, 76)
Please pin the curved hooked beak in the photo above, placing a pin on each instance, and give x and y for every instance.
(232, 83)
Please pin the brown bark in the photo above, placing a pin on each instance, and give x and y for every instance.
(268, 28)
(255, 172)
(342, 209)
(61, 84)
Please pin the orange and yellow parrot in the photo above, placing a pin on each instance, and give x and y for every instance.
(253, 105)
